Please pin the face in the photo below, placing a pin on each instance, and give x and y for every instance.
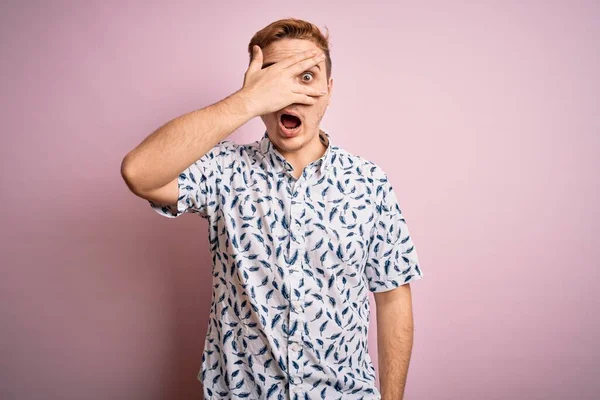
(310, 115)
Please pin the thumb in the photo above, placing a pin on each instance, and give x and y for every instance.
(257, 58)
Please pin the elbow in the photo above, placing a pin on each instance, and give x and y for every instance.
(130, 176)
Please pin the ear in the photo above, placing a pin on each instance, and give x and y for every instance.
(330, 89)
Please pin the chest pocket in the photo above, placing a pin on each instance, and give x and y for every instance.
(347, 246)
(358, 222)
(349, 235)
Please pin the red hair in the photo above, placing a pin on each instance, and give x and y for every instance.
(292, 28)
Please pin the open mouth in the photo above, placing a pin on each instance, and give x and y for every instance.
(290, 122)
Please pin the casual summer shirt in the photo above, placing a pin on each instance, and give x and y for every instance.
(293, 262)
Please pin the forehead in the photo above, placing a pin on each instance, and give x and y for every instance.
(283, 48)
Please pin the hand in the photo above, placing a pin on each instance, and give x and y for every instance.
(275, 87)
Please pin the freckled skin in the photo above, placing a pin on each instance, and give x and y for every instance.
(306, 147)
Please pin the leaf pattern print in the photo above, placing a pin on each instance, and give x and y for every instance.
(293, 262)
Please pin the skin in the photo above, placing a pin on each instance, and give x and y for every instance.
(306, 147)
(151, 170)
(395, 330)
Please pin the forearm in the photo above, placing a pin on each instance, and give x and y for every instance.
(173, 147)
(394, 348)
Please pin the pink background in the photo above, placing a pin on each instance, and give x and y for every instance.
(484, 114)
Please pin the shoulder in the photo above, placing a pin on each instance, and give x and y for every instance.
(225, 149)
(372, 177)
(372, 172)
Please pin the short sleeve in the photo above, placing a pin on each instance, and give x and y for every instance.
(392, 258)
(199, 183)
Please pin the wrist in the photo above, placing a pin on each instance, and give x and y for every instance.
(243, 100)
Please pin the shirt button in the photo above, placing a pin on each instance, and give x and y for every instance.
(297, 305)
(295, 346)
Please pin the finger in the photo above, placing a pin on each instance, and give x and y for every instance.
(306, 64)
(303, 99)
(257, 59)
(293, 59)
(309, 91)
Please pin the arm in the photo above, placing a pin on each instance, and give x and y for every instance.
(153, 166)
(394, 339)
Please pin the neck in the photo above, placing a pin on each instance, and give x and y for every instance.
(310, 152)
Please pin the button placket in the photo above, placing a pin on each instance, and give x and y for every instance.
(296, 314)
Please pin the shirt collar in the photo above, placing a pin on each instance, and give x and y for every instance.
(280, 163)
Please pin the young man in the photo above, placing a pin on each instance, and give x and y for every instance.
(300, 230)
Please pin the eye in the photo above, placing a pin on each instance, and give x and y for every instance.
(309, 74)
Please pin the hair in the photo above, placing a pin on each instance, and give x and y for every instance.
(292, 28)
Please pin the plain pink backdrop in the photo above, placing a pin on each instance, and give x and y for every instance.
(484, 114)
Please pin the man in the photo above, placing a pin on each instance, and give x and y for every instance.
(299, 229)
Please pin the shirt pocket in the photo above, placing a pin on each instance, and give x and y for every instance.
(349, 235)
(353, 297)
